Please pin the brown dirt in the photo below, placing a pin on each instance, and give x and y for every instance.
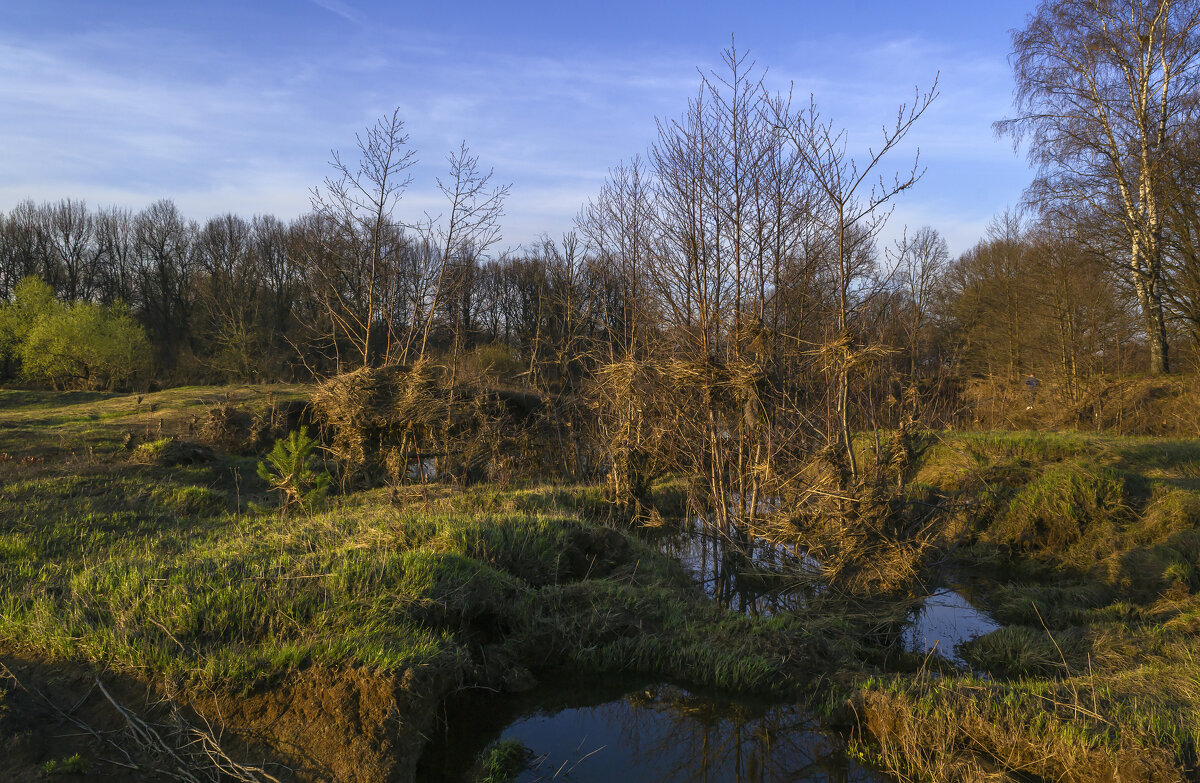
(351, 725)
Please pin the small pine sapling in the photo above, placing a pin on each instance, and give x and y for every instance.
(286, 470)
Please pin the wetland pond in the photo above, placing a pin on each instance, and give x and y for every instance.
(770, 578)
(618, 728)
(602, 728)
(945, 619)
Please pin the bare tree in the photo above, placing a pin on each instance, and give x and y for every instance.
(163, 241)
(920, 262)
(281, 281)
(70, 234)
(115, 239)
(23, 247)
(1076, 306)
(852, 206)
(469, 228)
(229, 295)
(355, 238)
(1101, 91)
(618, 225)
(1183, 234)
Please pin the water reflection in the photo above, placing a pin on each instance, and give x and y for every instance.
(945, 620)
(759, 578)
(649, 732)
(425, 470)
(753, 575)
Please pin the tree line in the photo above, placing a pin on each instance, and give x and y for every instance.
(747, 229)
(726, 307)
(255, 299)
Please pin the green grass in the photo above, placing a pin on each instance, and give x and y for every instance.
(1092, 553)
(503, 761)
(57, 424)
(71, 765)
(189, 572)
(1091, 545)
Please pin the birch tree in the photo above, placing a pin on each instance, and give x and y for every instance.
(1101, 88)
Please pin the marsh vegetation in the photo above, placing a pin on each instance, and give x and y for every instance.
(175, 576)
(777, 500)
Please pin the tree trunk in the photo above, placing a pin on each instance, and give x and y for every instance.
(1146, 275)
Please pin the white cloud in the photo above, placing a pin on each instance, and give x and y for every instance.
(131, 116)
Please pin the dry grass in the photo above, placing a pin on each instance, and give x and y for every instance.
(1158, 406)
(971, 730)
(381, 422)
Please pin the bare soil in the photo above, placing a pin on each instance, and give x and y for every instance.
(350, 725)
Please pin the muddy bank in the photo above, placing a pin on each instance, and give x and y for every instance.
(318, 724)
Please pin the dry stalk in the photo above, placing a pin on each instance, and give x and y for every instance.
(196, 756)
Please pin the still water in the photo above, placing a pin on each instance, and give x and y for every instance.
(617, 729)
(763, 578)
(944, 620)
(757, 578)
(638, 731)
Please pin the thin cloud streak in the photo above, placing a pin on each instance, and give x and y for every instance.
(341, 9)
(94, 117)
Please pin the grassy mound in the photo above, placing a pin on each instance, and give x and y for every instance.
(167, 569)
(1086, 549)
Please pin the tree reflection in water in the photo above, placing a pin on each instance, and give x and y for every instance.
(754, 576)
(684, 736)
(647, 733)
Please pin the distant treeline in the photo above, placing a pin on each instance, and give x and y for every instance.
(249, 299)
(747, 234)
(238, 298)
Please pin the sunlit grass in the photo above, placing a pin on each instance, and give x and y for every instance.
(190, 572)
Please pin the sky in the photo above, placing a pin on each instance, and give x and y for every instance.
(236, 106)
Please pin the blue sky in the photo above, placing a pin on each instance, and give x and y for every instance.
(234, 106)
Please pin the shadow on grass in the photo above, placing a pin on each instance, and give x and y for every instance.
(13, 399)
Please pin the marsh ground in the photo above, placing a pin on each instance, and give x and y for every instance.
(319, 645)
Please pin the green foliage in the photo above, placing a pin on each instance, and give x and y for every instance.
(504, 760)
(86, 345)
(33, 299)
(287, 471)
(72, 765)
(80, 345)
